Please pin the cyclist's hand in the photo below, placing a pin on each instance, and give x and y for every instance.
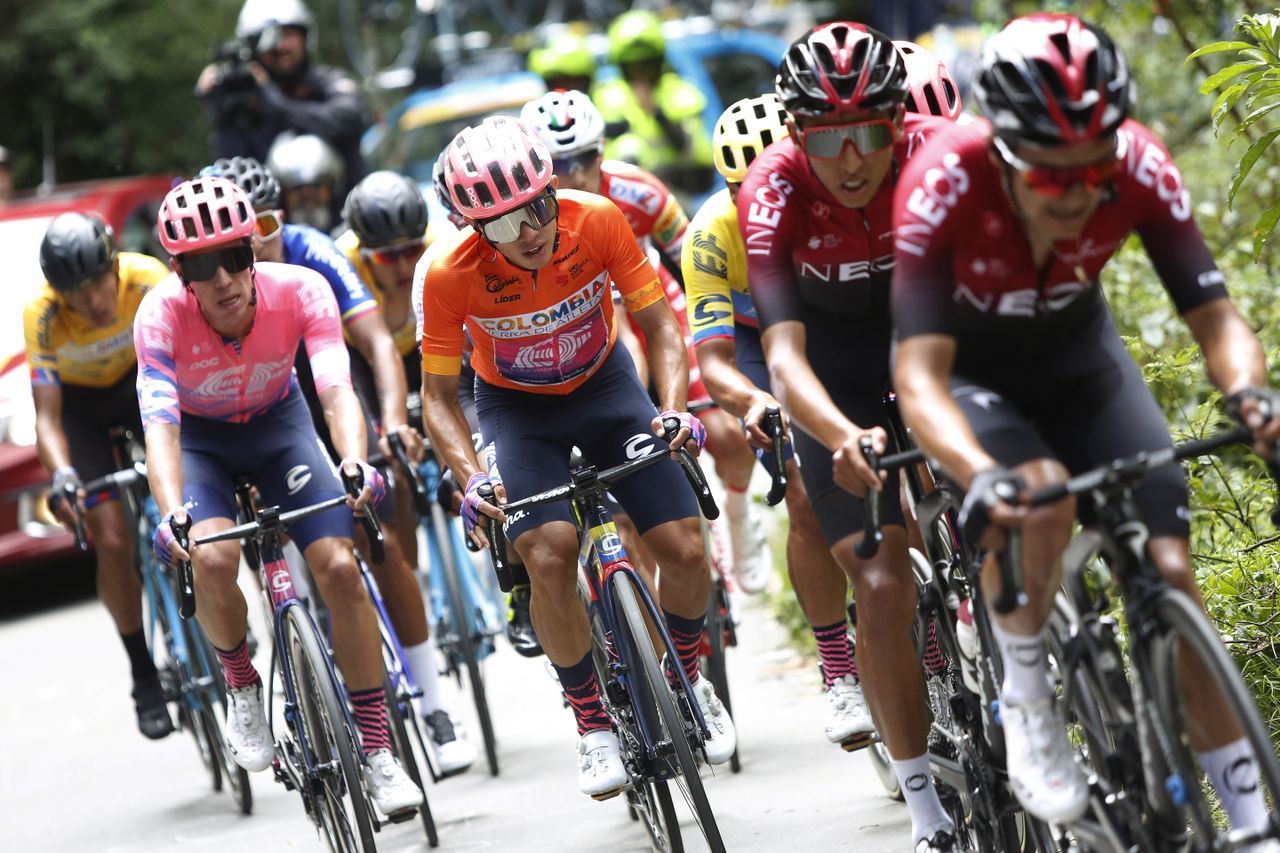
(62, 508)
(1259, 410)
(990, 507)
(754, 421)
(473, 507)
(849, 467)
(412, 440)
(691, 431)
(166, 543)
(374, 488)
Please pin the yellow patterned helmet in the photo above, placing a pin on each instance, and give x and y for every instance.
(743, 131)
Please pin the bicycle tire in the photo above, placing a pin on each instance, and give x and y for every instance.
(398, 711)
(324, 725)
(684, 770)
(205, 665)
(1185, 626)
(716, 663)
(467, 648)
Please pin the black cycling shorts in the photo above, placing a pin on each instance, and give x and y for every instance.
(88, 416)
(1084, 419)
(609, 417)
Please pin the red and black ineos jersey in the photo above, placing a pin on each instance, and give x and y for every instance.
(964, 266)
(808, 256)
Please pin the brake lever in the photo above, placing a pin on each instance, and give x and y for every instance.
(773, 426)
(186, 578)
(497, 541)
(693, 472)
(872, 535)
(1012, 595)
(419, 488)
(369, 521)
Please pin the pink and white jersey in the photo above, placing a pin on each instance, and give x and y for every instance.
(185, 366)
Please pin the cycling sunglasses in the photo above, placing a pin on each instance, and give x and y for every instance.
(388, 255)
(1054, 181)
(574, 162)
(536, 214)
(867, 137)
(204, 267)
(269, 225)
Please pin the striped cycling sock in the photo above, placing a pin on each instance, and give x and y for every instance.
(686, 635)
(237, 668)
(370, 708)
(583, 692)
(835, 652)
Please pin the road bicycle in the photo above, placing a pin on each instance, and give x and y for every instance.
(659, 723)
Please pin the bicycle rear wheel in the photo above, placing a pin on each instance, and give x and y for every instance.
(211, 693)
(339, 802)
(649, 684)
(404, 731)
(718, 631)
(1186, 631)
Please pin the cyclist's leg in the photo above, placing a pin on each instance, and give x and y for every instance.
(734, 462)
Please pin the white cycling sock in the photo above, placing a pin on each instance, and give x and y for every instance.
(735, 502)
(1234, 771)
(927, 814)
(1026, 671)
(424, 665)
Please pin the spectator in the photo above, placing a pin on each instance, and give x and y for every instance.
(6, 177)
(266, 84)
(311, 177)
(662, 111)
(565, 62)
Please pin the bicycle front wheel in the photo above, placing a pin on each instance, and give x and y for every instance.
(649, 685)
(338, 799)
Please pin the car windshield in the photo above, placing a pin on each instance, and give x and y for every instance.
(20, 248)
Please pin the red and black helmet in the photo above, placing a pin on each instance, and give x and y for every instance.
(840, 68)
(1051, 79)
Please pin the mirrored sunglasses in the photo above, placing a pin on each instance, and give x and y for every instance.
(1055, 181)
(536, 214)
(867, 137)
(389, 255)
(571, 163)
(269, 225)
(204, 267)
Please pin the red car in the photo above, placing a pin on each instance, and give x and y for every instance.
(28, 533)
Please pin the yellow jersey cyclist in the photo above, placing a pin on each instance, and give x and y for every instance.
(549, 378)
(83, 368)
(218, 397)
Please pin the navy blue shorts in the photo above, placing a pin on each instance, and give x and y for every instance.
(280, 450)
(749, 353)
(609, 418)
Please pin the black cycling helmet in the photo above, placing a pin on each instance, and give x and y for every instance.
(840, 68)
(385, 208)
(76, 249)
(1051, 79)
(441, 188)
(255, 179)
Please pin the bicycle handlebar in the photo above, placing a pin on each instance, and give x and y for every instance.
(354, 483)
(871, 533)
(420, 498)
(186, 577)
(773, 428)
(123, 478)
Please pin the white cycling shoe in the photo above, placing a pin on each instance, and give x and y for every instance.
(601, 774)
(752, 562)
(847, 713)
(389, 785)
(724, 737)
(1043, 772)
(454, 753)
(248, 736)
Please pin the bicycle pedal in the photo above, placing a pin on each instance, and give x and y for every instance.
(402, 815)
(856, 742)
(608, 795)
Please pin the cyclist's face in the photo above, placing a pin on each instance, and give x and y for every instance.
(288, 53)
(532, 249)
(98, 300)
(585, 178)
(1059, 216)
(226, 298)
(852, 177)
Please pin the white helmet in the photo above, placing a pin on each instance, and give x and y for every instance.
(566, 121)
(306, 159)
(257, 15)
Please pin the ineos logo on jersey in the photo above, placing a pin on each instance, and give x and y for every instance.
(633, 447)
(765, 212)
(1156, 171)
(1027, 302)
(939, 192)
(297, 477)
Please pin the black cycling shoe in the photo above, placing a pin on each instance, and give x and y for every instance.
(943, 841)
(520, 623)
(153, 714)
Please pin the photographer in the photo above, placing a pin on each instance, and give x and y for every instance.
(264, 83)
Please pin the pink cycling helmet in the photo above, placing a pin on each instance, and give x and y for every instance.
(495, 167)
(931, 90)
(203, 213)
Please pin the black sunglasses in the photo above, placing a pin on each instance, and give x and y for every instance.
(204, 267)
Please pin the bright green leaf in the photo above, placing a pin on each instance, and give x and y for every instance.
(1246, 164)
(1226, 101)
(1262, 230)
(1219, 47)
(1231, 71)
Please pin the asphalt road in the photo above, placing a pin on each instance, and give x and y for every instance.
(76, 776)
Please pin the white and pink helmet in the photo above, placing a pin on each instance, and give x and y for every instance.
(495, 167)
(931, 89)
(203, 213)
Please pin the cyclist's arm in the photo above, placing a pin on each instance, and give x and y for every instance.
(799, 389)
(164, 466)
(340, 113)
(345, 419)
(1232, 353)
(51, 441)
(369, 336)
(668, 359)
(732, 391)
(447, 425)
(627, 337)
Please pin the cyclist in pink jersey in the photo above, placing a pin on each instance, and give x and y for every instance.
(815, 214)
(218, 399)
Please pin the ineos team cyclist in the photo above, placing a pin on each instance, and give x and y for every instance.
(574, 132)
(83, 370)
(218, 398)
(1009, 367)
(549, 379)
(815, 213)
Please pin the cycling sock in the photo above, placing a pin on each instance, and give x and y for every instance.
(1026, 672)
(424, 665)
(927, 814)
(686, 636)
(237, 668)
(140, 662)
(934, 662)
(582, 691)
(735, 502)
(1234, 771)
(835, 652)
(370, 707)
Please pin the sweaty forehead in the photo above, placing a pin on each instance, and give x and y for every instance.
(834, 120)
